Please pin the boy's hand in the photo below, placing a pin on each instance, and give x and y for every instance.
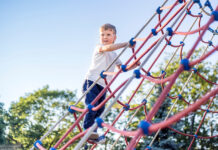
(132, 43)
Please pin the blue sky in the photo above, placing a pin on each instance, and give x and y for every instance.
(50, 42)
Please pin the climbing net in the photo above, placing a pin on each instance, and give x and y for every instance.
(165, 30)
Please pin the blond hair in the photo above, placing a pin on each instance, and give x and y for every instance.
(108, 26)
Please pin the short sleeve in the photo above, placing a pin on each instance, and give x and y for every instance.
(97, 48)
(118, 62)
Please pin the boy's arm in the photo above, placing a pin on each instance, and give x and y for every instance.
(131, 66)
(112, 47)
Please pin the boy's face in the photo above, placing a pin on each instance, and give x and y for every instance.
(107, 37)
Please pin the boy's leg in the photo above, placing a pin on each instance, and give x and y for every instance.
(90, 116)
(90, 96)
(101, 139)
(88, 122)
(100, 111)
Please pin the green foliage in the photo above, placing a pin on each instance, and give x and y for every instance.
(195, 89)
(34, 114)
(2, 124)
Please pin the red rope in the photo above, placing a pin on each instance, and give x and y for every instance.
(190, 32)
(203, 57)
(158, 81)
(195, 15)
(122, 110)
(200, 137)
(177, 117)
(168, 122)
(200, 36)
(73, 139)
(205, 79)
(199, 108)
(205, 113)
(104, 90)
(163, 94)
(170, 19)
(70, 129)
(125, 133)
(80, 129)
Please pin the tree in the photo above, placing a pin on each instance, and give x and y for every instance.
(2, 124)
(195, 89)
(33, 115)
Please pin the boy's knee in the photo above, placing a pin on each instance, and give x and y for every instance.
(100, 111)
(89, 98)
(89, 119)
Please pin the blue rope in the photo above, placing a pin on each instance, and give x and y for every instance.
(215, 14)
(123, 67)
(185, 63)
(180, 1)
(210, 43)
(179, 96)
(169, 43)
(71, 110)
(102, 75)
(182, 43)
(137, 73)
(144, 125)
(195, 70)
(208, 4)
(149, 148)
(163, 72)
(131, 42)
(99, 121)
(148, 74)
(37, 142)
(153, 31)
(144, 101)
(170, 31)
(90, 107)
(126, 107)
(198, 2)
(188, 12)
(159, 11)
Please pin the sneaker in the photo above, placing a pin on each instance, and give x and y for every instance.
(94, 136)
(100, 140)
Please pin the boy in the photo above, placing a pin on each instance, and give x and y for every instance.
(103, 56)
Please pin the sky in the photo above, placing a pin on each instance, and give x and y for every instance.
(50, 42)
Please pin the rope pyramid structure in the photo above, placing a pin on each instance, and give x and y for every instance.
(166, 29)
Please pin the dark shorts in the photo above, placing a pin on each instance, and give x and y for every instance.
(90, 96)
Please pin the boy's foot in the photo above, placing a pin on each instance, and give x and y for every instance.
(94, 136)
(100, 140)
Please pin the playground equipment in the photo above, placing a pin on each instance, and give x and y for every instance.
(165, 33)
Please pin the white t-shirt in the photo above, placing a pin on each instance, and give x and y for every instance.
(100, 62)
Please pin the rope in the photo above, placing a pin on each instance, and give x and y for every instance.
(158, 80)
(153, 86)
(205, 113)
